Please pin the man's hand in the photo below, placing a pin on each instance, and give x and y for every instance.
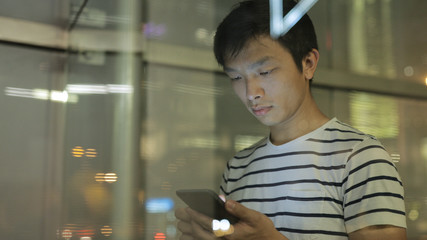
(193, 225)
(252, 225)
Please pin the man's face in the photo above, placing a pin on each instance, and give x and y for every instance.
(267, 80)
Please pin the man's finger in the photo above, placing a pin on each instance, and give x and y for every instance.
(201, 233)
(186, 237)
(202, 220)
(182, 214)
(185, 227)
(238, 210)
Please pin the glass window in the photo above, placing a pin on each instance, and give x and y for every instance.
(103, 123)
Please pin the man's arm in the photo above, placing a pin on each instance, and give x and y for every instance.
(380, 232)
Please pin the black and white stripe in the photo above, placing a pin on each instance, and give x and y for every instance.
(325, 184)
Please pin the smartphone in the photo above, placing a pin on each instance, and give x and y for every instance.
(207, 202)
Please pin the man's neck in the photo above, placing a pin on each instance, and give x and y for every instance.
(298, 127)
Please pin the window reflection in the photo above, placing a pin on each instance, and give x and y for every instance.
(374, 114)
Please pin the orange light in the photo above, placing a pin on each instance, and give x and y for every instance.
(99, 177)
(85, 232)
(110, 177)
(160, 236)
(78, 151)
(166, 186)
(67, 234)
(106, 230)
(91, 153)
(106, 177)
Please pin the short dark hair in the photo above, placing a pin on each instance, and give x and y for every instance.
(251, 19)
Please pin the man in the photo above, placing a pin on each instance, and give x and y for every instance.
(312, 177)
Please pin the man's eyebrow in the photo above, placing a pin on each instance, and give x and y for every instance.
(252, 65)
(259, 62)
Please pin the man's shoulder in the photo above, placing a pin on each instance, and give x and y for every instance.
(244, 153)
(340, 130)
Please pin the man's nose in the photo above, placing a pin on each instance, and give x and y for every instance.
(254, 89)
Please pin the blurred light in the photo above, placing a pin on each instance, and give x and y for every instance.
(59, 96)
(279, 26)
(91, 153)
(152, 86)
(200, 142)
(41, 94)
(201, 33)
(245, 141)
(67, 234)
(106, 177)
(19, 92)
(426, 80)
(110, 177)
(374, 114)
(222, 228)
(99, 88)
(160, 236)
(87, 89)
(152, 30)
(159, 205)
(423, 149)
(413, 215)
(223, 225)
(166, 186)
(119, 88)
(408, 71)
(85, 233)
(106, 230)
(197, 90)
(395, 157)
(77, 151)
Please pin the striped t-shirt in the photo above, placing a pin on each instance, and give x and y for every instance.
(323, 185)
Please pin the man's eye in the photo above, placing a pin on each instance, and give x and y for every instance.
(265, 73)
(236, 78)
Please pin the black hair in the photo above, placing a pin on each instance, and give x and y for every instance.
(250, 19)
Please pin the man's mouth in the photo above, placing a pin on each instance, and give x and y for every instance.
(261, 110)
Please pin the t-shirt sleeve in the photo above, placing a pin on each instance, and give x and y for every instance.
(372, 188)
(223, 187)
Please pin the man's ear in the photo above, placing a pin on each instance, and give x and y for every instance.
(309, 63)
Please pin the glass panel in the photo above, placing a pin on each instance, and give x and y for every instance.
(186, 23)
(103, 176)
(30, 142)
(43, 11)
(178, 142)
(100, 149)
(379, 38)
